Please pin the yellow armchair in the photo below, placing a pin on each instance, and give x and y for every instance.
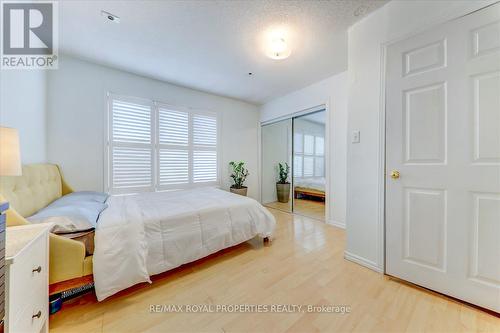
(39, 185)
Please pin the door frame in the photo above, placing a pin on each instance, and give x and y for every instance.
(328, 155)
(382, 181)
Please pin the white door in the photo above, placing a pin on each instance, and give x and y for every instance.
(443, 137)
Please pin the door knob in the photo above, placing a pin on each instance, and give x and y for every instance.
(395, 174)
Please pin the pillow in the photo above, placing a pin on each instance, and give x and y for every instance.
(81, 196)
(70, 217)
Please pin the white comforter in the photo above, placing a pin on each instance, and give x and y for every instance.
(146, 234)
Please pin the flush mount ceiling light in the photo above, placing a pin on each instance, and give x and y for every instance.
(111, 17)
(277, 46)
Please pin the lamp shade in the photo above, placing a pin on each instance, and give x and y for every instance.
(10, 157)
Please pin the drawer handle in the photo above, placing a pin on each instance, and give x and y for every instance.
(37, 315)
(38, 269)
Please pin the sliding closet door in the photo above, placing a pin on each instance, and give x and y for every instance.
(276, 149)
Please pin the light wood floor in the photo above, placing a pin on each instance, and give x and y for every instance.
(304, 265)
(309, 208)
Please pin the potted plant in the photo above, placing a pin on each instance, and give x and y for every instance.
(283, 186)
(239, 175)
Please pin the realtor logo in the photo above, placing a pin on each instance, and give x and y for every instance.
(29, 35)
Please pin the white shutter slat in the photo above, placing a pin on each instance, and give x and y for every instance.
(204, 166)
(308, 145)
(130, 122)
(308, 166)
(174, 167)
(204, 130)
(173, 127)
(131, 167)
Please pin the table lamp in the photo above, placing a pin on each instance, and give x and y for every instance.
(10, 157)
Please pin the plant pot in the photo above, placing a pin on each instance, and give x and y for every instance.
(241, 191)
(283, 191)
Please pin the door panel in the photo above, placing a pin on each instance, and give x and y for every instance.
(425, 218)
(487, 118)
(425, 127)
(485, 268)
(443, 136)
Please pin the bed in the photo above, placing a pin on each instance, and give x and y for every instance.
(146, 234)
(309, 187)
(136, 236)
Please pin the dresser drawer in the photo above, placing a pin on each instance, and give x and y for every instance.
(32, 317)
(28, 280)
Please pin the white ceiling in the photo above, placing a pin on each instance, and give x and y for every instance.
(213, 45)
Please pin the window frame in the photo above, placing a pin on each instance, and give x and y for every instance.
(155, 145)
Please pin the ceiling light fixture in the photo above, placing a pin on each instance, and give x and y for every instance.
(111, 17)
(277, 47)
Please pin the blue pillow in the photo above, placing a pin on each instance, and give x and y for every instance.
(81, 196)
(70, 217)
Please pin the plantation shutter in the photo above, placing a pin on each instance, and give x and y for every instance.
(173, 156)
(205, 148)
(308, 166)
(319, 167)
(308, 145)
(131, 146)
(155, 147)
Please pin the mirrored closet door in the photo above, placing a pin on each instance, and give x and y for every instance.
(309, 179)
(276, 165)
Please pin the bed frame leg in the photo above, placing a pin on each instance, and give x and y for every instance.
(267, 240)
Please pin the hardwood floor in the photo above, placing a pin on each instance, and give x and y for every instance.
(309, 208)
(304, 265)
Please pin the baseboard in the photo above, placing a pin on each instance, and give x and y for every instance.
(336, 224)
(362, 261)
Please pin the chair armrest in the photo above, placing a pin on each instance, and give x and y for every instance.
(65, 187)
(13, 217)
(66, 258)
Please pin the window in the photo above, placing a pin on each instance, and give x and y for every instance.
(309, 151)
(154, 147)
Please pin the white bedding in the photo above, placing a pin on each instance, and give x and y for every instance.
(315, 183)
(146, 234)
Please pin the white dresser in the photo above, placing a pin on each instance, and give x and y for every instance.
(27, 278)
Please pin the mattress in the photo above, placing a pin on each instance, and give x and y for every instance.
(146, 234)
(314, 183)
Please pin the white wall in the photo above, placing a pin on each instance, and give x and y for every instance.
(76, 107)
(397, 19)
(23, 106)
(332, 92)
